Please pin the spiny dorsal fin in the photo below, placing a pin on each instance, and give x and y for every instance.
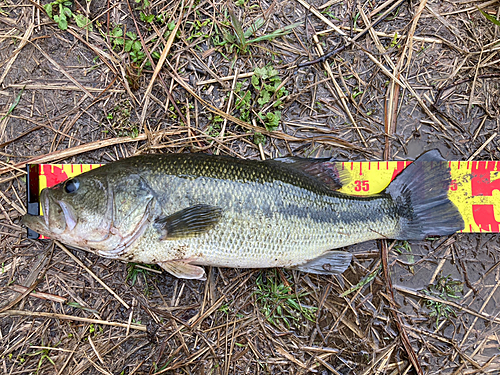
(323, 170)
(189, 222)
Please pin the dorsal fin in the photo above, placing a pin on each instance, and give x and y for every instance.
(323, 170)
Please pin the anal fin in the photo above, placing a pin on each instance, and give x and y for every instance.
(183, 270)
(332, 262)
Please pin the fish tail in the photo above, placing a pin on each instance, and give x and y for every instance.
(421, 196)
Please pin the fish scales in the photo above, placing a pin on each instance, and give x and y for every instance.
(182, 210)
(269, 215)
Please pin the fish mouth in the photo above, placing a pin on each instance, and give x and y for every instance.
(44, 199)
(38, 223)
(69, 215)
(58, 217)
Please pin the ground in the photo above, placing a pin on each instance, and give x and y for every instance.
(98, 81)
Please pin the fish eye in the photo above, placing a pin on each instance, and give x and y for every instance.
(71, 186)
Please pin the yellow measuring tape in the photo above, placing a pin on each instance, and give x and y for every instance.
(475, 187)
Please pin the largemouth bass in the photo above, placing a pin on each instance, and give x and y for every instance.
(183, 211)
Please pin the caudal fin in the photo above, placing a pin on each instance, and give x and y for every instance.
(421, 195)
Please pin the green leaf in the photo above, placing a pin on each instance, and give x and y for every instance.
(128, 45)
(281, 92)
(256, 25)
(131, 35)
(265, 97)
(137, 56)
(48, 9)
(238, 29)
(293, 303)
(62, 22)
(117, 31)
(273, 120)
(147, 18)
(244, 102)
(259, 138)
(260, 72)
(489, 17)
(14, 104)
(83, 22)
(136, 46)
(66, 11)
(255, 80)
(271, 72)
(275, 34)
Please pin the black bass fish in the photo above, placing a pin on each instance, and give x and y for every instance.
(181, 211)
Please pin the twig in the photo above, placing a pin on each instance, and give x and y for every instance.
(165, 51)
(138, 327)
(482, 146)
(481, 315)
(227, 78)
(63, 71)
(394, 310)
(347, 41)
(63, 88)
(66, 153)
(340, 94)
(50, 297)
(81, 264)
(24, 41)
(280, 135)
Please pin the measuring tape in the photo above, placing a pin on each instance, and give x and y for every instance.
(474, 188)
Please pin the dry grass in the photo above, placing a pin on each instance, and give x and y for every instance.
(399, 77)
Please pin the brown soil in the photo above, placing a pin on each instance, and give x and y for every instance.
(69, 89)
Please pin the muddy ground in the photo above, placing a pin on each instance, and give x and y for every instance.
(407, 76)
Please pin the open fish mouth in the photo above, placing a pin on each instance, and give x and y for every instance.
(69, 216)
(44, 198)
(58, 217)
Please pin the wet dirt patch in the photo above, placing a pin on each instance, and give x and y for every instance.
(427, 77)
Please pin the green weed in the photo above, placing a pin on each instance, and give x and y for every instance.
(215, 126)
(242, 39)
(143, 4)
(119, 120)
(267, 94)
(135, 271)
(444, 288)
(76, 305)
(60, 12)
(489, 17)
(44, 355)
(278, 302)
(364, 281)
(199, 29)
(14, 104)
(404, 248)
(130, 43)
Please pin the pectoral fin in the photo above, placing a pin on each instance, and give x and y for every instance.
(183, 270)
(332, 262)
(189, 222)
